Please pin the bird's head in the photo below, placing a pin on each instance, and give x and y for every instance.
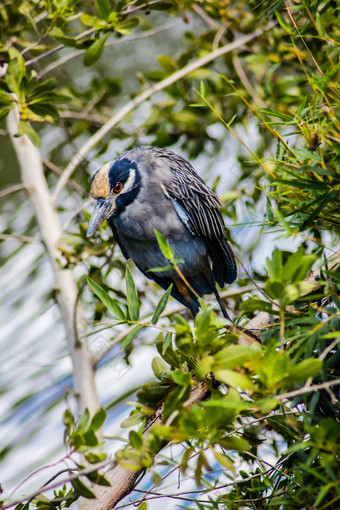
(114, 187)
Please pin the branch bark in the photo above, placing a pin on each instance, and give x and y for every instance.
(122, 480)
(33, 178)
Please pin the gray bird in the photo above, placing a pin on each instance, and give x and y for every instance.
(150, 188)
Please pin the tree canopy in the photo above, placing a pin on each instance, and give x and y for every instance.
(245, 414)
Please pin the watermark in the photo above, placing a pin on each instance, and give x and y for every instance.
(61, 314)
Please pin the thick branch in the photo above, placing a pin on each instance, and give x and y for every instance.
(122, 480)
(144, 96)
(66, 289)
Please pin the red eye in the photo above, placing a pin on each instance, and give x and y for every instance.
(118, 187)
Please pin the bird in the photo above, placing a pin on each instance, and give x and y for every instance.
(149, 189)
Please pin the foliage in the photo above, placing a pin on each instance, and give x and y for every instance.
(273, 399)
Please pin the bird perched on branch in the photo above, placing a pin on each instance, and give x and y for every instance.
(149, 188)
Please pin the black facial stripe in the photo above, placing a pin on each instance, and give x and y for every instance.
(125, 199)
(120, 171)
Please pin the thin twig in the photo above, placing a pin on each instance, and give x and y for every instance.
(58, 48)
(71, 182)
(33, 494)
(11, 189)
(127, 10)
(309, 389)
(23, 239)
(329, 348)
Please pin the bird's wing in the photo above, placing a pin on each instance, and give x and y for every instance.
(199, 209)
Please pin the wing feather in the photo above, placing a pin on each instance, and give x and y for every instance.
(202, 208)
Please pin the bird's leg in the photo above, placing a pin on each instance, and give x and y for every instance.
(220, 302)
(184, 291)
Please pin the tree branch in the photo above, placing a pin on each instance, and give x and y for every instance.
(66, 289)
(123, 480)
(144, 96)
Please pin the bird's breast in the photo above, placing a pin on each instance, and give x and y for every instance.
(140, 220)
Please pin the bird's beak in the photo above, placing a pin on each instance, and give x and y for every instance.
(101, 212)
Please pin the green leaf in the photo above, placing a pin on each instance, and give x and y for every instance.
(94, 52)
(131, 335)
(203, 367)
(131, 294)
(82, 489)
(164, 246)
(319, 24)
(136, 440)
(126, 26)
(5, 99)
(26, 128)
(275, 265)
(15, 72)
(202, 89)
(298, 266)
(84, 421)
(98, 419)
(162, 6)
(167, 62)
(97, 478)
(234, 379)
(269, 211)
(167, 342)
(108, 301)
(235, 443)
(283, 23)
(304, 369)
(132, 420)
(225, 461)
(93, 458)
(274, 289)
(104, 8)
(159, 269)
(235, 355)
(143, 506)
(181, 378)
(294, 290)
(159, 366)
(90, 438)
(161, 305)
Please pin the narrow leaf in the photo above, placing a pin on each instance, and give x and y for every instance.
(108, 301)
(131, 294)
(98, 419)
(133, 333)
(164, 246)
(202, 89)
(161, 305)
(234, 379)
(132, 420)
(82, 489)
(94, 52)
(104, 8)
(282, 22)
